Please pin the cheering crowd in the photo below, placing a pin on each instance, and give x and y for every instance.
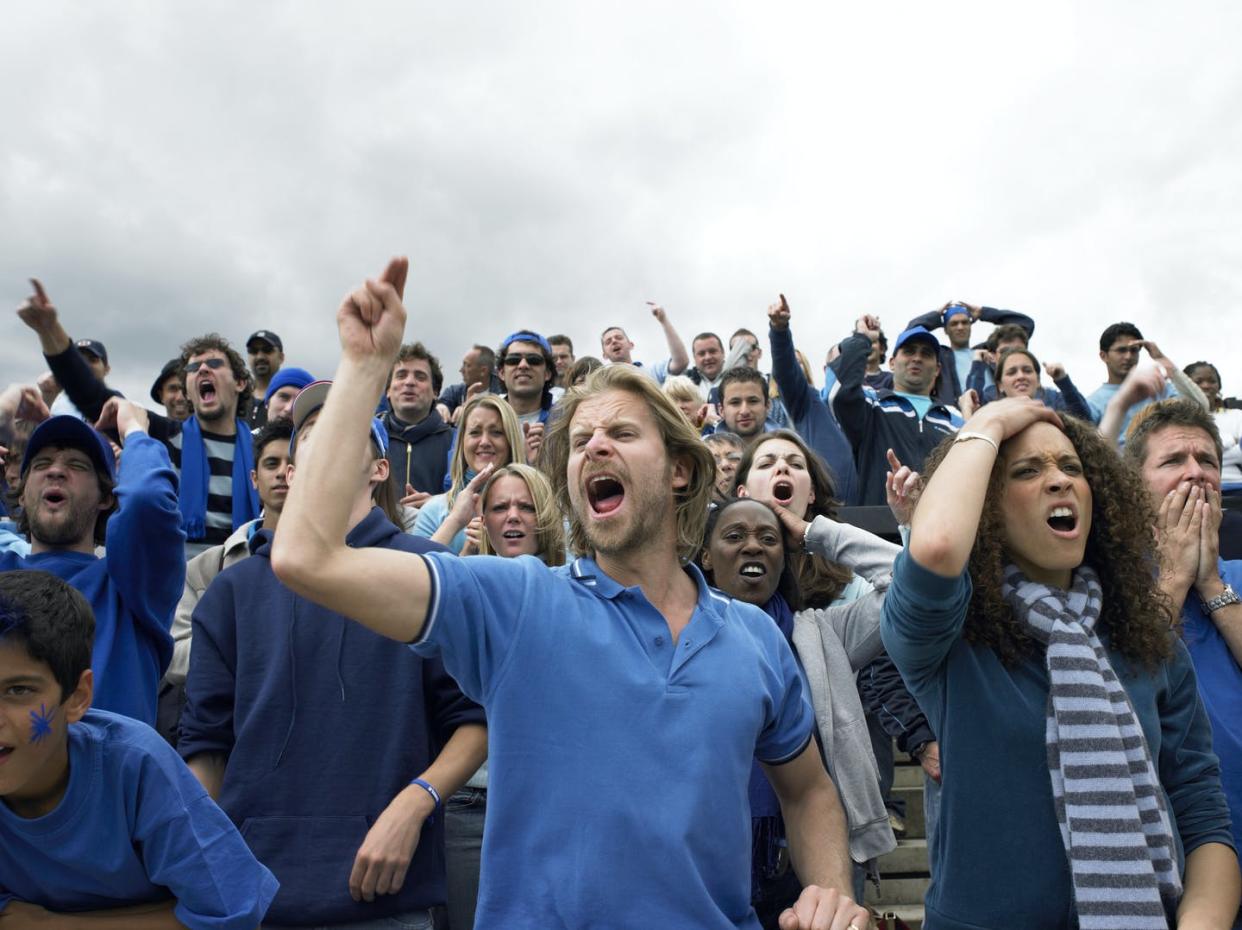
(591, 642)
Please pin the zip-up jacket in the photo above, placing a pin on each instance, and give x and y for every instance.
(875, 423)
(418, 454)
(885, 696)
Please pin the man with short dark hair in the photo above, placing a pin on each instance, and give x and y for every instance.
(744, 403)
(906, 419)
(267, 354)
(478, 376)
(1120, 345)
(617, 349)
(562, 658)
(709, 357)
(1176, 447)
(73, 501)
(563, 356)
(418, 438)
(527, 368)
(210, 450)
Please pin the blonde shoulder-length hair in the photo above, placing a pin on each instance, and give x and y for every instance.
(549, 523)
(509, 423)
(681, 440)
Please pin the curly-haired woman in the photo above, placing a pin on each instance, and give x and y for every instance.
(1079, 785)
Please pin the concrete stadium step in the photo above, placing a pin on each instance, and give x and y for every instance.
(910, 856)
(908, 775)
(915, 823)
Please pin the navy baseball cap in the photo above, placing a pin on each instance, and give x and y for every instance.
(265, 335)
(286, 377)
(312, 398)
(94, 347)
(916, 333)
(73, 433)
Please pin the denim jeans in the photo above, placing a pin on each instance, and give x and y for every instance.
(411, 920)
(463, 845)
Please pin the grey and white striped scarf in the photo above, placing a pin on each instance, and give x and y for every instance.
(1108, 799)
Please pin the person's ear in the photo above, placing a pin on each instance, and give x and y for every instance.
(740, 490)
(705, 559)
(254, 479)
(379, 471)
(681, 473)
(78, 702)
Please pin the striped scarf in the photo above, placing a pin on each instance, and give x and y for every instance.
(1109, 803)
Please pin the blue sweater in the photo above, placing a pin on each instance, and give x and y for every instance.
(135, 588)
(134, 826)
(323, 723)
(998, 827)
(811, 416)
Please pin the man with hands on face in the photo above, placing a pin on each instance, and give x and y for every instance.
(74, 500)
(605, 664)
(1175, 446)
(289, 702)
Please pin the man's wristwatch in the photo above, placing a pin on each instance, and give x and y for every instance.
(1224, 599)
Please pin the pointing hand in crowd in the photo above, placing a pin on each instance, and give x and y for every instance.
(123, 416)
(371, 320)
(902, 486)
(778, 314)
(658, 312)
(37, 312)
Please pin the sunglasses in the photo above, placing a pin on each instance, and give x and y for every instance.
(533, 359)
(213, 363)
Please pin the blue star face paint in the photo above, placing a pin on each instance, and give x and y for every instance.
(41, 723)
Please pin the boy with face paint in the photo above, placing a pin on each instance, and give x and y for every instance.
(100, 821)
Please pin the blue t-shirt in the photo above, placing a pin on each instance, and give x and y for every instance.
(618, 759)
(921, 402)
(134, 826)
(1220, 687)
(1099, 398)
(962, 360)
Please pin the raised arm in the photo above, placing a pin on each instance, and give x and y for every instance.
(1181, 381)
(1140, 383)
(385, 590)
(678, 359)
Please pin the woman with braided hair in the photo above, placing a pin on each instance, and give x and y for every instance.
(1079, 785)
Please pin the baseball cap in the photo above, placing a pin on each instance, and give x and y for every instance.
(69, 431)
(525, 335)
(94, 347)
(171, 367)
(265, 335)
(288, 377)
(916, 333)
(312, 398)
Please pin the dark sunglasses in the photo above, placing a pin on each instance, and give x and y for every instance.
(533, 359)
(212, 363)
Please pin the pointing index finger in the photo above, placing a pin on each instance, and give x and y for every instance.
(395, 274)
(39, 292)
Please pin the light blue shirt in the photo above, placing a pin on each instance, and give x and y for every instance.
(1099, 398)
(618, 759)
(921, 402)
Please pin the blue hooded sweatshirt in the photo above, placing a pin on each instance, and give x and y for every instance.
(134, 589)
(323, 723)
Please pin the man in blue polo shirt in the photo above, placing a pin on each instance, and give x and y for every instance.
(626, 701)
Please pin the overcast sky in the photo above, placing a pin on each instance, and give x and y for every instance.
(169, 169)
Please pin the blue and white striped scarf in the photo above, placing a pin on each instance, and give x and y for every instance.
(1109, 803)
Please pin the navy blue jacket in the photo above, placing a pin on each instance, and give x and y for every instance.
(886, 420)
(811, 416)
(323, 723)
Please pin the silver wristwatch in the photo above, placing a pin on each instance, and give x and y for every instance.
(1224, 599)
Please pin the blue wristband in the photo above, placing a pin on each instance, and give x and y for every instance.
(431, 790)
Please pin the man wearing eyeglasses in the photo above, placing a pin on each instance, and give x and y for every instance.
(1120, 345)
(211, 450)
